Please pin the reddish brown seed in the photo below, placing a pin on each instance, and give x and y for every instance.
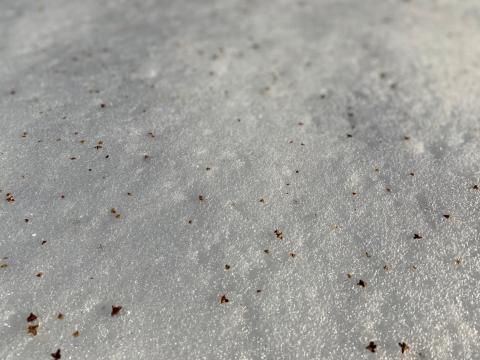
(32, 329)
(416, 236)
(56, 355)
(39, 274)
(371, 347)
(223, 299)
(76, 333)
(362, 283)
(115, 310)
(446, 216)
(32, 317)
(278, 234)
(291, 254)
(227, 267)
(200, 197)
(404, 347)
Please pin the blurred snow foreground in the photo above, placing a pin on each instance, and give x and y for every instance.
(239, 179)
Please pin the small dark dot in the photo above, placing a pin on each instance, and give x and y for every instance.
(26, 220)
(129, 194)
(278, 234)
(200, 197)
(371, 347)
(44, 242)
(388, 189)
(115, 310)
(189, 221)
(296, 171)
(60, 316)
(12, 92)
(262, 200)
(354, 193)
(362, 283)
(223, 299)
(259, 291)
(266, 251)
(32, 329)
(56, 355)
(32, 317)
(412, 174)
(39, 274)
(416, 236)
(446, 216)
(207, 168)
(102, 105)
(349, 135)
(475, 187)
(404, 347)
(291, 254)
(227, 267)
(406, 138)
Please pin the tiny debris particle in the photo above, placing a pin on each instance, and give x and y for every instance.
(278, 234)
(475, 187)
(388, 189)
(76, 333)
(32, 317)
(60, 316)
(189, 221)
(24, 134)
(3, 265)
(102, 105)
(115, 213)
(291, 254)
(386, 267)
(39, 274)
(129, 193)
(43, 242)
(354, 193)
(458, 261)
(349, 275)
(151, 134)
(406, 138)
(146, 157)
(227, 267)
(416, 236)
(412, 174)
(32, 329)
(56, 355)
(362, 283)
(262, 200)
(73, 158)
(404, 347)
(116, 310)
(446, 216)
(266, 251)
(371, 347)
(259, 291)
(207, 168)
(26, 220)
(9, 197)
(223, 299)
(349, 135)
(200, 197)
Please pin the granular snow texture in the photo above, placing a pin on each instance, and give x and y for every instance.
(239, 179)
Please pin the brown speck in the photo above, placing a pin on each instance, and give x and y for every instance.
(371, 347)
(82, 141)
(406, 138)
(362, 283)
(367, 254)
(62, 196)
(354, 193)
(26, 220)
(32, 317)
(388, 189)
(262, 200)
(266, 251)
(151, 134)
(349, 135)
(56, 355)
(475, 187)
(300, 123)
(404, 347)
(278, 234)
(292, 254)
(60, 316)
(349, 275)
(189, 221)
(3, 266)
(115, 213)
(259, 291)
(412, 174)
(24, 134)
(201, 198)
(9, 197)
(102, 105)
(116, 310)
(458, 261)
(73, 158)
(76, 333)
(416, 236)
(146, 157)
(227, 267)
(446, 216)
(43, 242)
(386, 267)
(223, 299)
(129, 193)
(32, 329)
(207, 168)
(39, 274)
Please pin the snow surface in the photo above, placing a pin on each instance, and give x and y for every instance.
(345, 126)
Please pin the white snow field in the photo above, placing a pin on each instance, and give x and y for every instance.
(227, 179)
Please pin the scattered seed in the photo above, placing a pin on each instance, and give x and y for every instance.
(151, 134)
(56, 355)
(416, 236)
(349, 135)
(200, 197)
(227, 267)
(349, 275)
(412, 174)
(43, 242)
(39, 274)
(278, 234)
(189, 221)
(60, 316)
(32, 317)
(362, 283)
(115, 310)
(76, 333)
(223, 299)
(262, 200)
(102, 105)
(9, 197)
(404, 347)
(3, 265)
(475, 187)
(406, 138)
(371, 347)
(291, 254)
(266, 251)
(446, 216)
(32, 329)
